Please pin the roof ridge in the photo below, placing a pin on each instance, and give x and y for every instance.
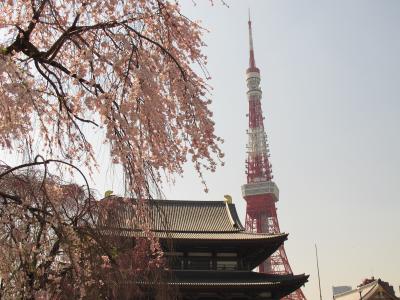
(371, 284)
(167, 200)
(188, 201)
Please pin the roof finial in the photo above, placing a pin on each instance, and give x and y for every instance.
(252, 60)
(228, 199)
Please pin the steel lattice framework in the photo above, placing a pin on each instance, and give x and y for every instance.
(260, 192)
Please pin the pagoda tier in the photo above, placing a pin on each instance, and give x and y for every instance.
(244, 285)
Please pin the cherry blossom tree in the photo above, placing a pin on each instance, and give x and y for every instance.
(55, 242)
(127, 67)
(41, 231)
(120, 68)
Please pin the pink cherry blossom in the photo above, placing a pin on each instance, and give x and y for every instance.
(125, 66)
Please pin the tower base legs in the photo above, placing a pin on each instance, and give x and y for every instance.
(277, 263)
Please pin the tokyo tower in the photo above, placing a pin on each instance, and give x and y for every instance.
(260, 192)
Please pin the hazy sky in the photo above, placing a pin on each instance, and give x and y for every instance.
(331, 87)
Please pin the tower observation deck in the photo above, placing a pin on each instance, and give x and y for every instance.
(260, 192)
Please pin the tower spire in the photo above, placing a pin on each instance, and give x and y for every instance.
(258, 166)
(252, 62)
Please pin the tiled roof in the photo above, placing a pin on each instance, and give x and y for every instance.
(176, 219)
(171, 215)
(197, 235)
(194, 216)
(233, 278)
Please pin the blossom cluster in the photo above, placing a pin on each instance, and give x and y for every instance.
(126, 68)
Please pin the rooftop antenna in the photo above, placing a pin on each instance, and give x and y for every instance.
(319, 279)
(252, 63)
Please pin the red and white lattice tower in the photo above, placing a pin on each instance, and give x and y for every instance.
(260, 192)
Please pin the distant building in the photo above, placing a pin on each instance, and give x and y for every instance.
(370, 289)
(340, 289)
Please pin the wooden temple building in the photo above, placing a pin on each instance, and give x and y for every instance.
(210, 254)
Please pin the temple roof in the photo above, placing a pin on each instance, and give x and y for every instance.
(195, 216)
(178, 219)
(200, 236)
(193, 284)
(236, 278)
